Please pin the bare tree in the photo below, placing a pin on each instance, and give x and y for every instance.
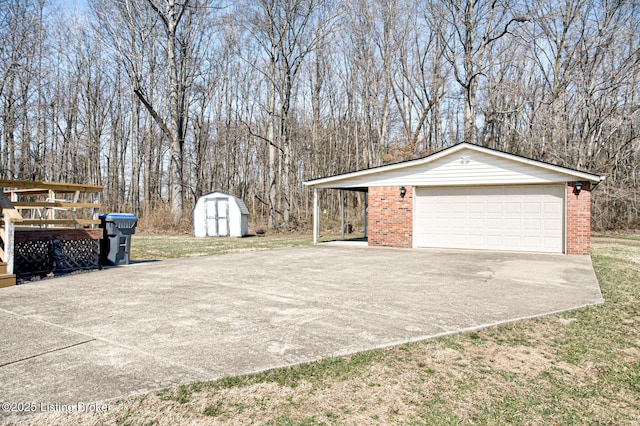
(162, 100)
(468, 29)
(181, 27)
(287, 31)
(419, 83)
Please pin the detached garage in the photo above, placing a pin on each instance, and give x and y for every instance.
(470, 197)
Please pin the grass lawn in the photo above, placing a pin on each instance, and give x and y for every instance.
(149, 247)
(579, 367)
(157, 247)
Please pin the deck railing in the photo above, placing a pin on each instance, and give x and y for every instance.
(44, 205)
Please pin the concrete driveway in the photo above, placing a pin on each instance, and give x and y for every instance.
(126, 330)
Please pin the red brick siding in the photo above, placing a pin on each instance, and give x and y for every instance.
(390, 217)
(579, 219)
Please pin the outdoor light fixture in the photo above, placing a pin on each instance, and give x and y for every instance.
(403, 191)
(577, 188)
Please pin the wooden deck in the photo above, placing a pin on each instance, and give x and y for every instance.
(48, 226)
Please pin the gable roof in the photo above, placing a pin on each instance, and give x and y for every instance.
(398, 173)
(240, 203)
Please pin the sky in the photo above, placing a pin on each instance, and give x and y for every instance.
(71, 5)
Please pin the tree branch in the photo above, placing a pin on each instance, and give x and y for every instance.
(159, 13)
(262, 138)
(506, 28)
(156, 117)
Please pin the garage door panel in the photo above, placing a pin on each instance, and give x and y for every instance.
(521, 218)
(532, 224)
(459, 207)
(513, 240)
(442, 240)
(550, 242)
(471, 240)
(509, 223)
(476, 207)
(552, 225)
(532, 243)
(491, 223)
(476, 222)
(552, 207)
(443, 222)
(512, 207)
(532, 208)
(459, 222)
(493, 208)
(493, 240)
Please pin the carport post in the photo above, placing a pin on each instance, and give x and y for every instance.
(9, 242)
(366, 199)
(342, 212)
(315, 216)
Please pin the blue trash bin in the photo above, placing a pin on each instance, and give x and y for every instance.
(116, 239)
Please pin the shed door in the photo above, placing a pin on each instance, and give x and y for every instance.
(517, 218)
(217, 217)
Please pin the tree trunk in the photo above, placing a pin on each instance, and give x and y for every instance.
(177, 136)
(273, 153)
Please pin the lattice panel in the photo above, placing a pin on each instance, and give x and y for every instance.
(55, 255)
(31, 258)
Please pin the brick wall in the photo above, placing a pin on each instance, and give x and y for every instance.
(390, 217)
(579, 219)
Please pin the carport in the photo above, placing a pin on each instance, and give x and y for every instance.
(470, 197)
(341, 190)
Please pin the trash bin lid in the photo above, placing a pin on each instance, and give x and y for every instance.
(121, 220)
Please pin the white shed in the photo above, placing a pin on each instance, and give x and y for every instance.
(220, 215)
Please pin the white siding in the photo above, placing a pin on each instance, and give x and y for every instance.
(517, 218)
(464, 167)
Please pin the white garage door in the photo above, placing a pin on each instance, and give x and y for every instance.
(519, 218)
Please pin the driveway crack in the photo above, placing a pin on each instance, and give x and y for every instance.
(91, 338)
(46, 352)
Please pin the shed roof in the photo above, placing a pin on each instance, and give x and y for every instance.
(401, 173)
(241, 205)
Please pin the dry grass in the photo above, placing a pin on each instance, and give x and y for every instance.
(145, 246)
(580, 367)
(160, 222)
(157, 247)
